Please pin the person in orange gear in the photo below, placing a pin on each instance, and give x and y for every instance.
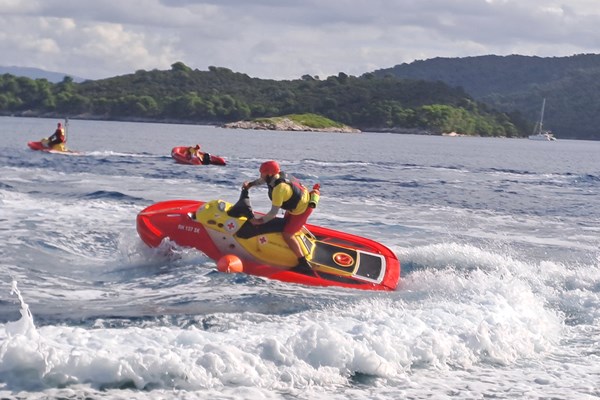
(285, 192)
(58, 139)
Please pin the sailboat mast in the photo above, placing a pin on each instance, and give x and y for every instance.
(538, 127)
(542, 114)
(538, 131)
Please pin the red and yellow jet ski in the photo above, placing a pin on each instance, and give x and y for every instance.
(58, 149)
(220, 229)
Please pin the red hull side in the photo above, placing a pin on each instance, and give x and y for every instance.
(170, 219)
(180, 156)
(38, 146)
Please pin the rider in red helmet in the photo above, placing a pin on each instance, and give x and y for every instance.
(285, 192)
(58, 139)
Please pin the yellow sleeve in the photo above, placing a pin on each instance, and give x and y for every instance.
(281, 193)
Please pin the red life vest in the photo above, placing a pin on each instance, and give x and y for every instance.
(57, 137)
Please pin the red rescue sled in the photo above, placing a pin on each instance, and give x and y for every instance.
(220, 230)
(181, 155)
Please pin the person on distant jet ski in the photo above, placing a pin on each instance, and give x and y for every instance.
(194, 151)
(288, 193)
(58, 139)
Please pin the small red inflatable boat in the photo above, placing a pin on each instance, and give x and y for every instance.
(182, 156)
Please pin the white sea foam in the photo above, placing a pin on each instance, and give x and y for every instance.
(465, 322)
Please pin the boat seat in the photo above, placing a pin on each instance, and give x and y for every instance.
(248, 230)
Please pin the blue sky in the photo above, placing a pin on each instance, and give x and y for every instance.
(282, 39)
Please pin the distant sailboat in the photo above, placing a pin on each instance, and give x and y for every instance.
(538, 131)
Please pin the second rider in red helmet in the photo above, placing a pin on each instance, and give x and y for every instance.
(285, 192)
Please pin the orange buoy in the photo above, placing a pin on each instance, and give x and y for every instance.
(230, 264)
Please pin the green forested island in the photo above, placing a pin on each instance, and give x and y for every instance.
(483, 96)
(218, 96)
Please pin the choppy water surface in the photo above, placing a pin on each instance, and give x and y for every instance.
(498, 240)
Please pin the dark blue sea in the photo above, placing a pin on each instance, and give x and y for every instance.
(499, 295)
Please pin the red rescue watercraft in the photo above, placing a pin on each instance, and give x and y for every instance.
(39, 146)
(182, 156)
(223, 232)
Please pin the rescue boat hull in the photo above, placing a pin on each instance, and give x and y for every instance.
(179, 154)
(338, 258)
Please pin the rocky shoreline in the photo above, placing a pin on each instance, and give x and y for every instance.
(286, 124)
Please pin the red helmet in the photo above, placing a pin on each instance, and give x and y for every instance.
(269, 168)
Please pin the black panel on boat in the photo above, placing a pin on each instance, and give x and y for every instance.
(324, 253)
(370, 266)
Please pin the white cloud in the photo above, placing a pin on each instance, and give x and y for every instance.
(284, 39)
